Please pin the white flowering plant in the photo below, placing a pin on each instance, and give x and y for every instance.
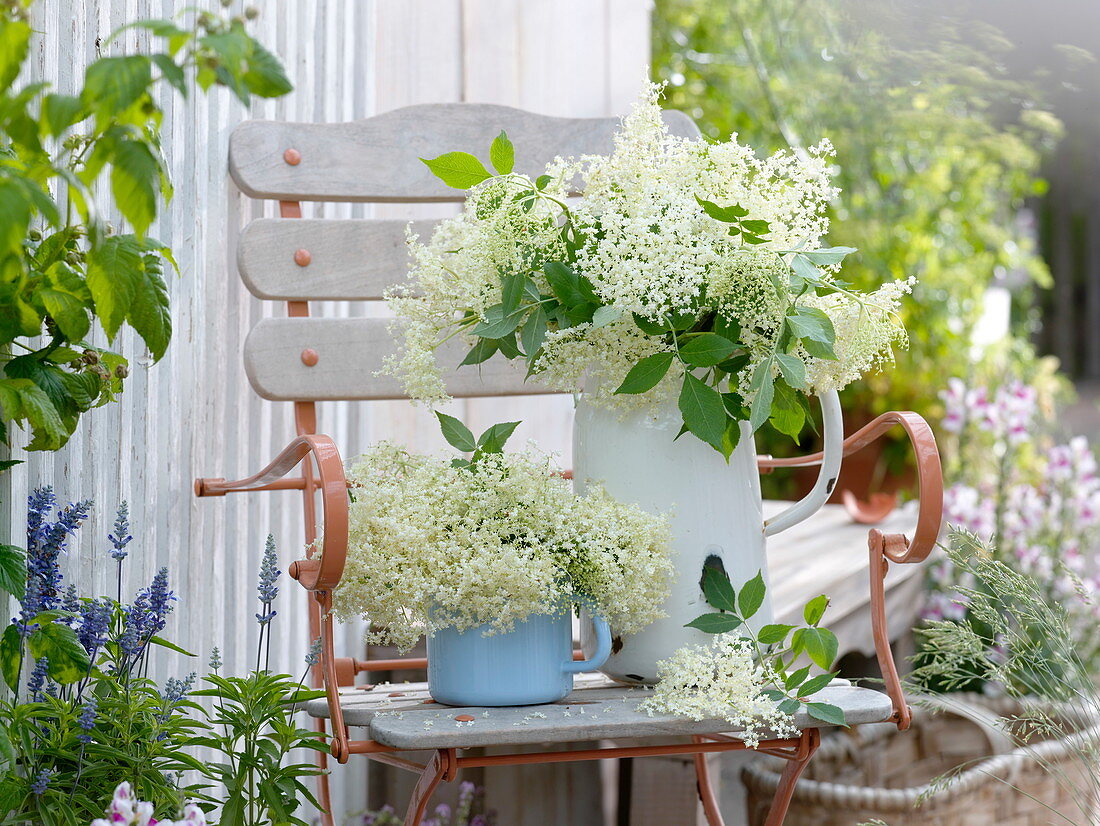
(687, 269)
(754, 680)
(490, 540)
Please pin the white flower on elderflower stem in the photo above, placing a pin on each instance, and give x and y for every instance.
(720, 681)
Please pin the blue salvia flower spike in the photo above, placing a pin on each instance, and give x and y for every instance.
(89, 712)
(215, 659)
(41, 782)
(37, 681)
(268, 587)
(121, 537)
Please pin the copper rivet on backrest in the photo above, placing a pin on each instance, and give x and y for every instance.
(303, 257)
(292, 157)
(310, 357)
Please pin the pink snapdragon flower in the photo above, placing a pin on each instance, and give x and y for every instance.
(127, 810)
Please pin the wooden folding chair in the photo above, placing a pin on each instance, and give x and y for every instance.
(303, 360)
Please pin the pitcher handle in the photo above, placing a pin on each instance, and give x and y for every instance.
(832, 453)
(600, 655)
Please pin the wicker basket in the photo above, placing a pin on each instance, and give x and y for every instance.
(877, 772)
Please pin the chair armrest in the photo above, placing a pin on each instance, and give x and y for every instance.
(929, 478)
(323, 573)
(886, 548)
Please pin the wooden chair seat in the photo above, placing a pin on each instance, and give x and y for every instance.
(404, 717)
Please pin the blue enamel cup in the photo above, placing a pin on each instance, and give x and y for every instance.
(531, 664)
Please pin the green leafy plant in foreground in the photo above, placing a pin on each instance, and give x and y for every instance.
(779, 647)
(64, 272)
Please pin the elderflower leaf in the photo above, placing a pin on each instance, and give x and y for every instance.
(751, 596)
(502, 154)
(827, 713)
(459, 170)
(456, 433)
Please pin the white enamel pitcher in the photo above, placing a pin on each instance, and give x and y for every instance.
(715, 508)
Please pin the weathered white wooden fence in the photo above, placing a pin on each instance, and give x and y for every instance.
(194, 412)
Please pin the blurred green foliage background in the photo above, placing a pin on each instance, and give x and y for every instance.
(939, 146)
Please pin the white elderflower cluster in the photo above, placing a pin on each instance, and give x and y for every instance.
(866, 333)
(433, 546)
(644, 245)
(652, 250)
(459, 269)
(603, 356)
(720, 681)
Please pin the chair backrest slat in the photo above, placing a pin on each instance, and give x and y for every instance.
(377, 159)
(319, 259)
(349, 353)
(372, 160)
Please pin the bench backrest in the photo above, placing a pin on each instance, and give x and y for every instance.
(375, 160)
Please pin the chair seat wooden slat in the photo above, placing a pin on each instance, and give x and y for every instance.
(319, 259)
(377, 159)
(349, 353)
(592, 712)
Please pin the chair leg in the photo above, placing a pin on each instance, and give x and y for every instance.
(796, 764)
(705, 788)
(442, 766)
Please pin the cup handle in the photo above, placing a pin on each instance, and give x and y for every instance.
(603, 649)
(833, 452)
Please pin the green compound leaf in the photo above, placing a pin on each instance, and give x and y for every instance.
(493, 439)
(459, 170)
(715, 623)
(751, 596)
(788, 416)
(481, 352)
(645, 375)
(763, 387)
(793, 370)
(502, 154)
(827, 713)
(718, 589)
(456, 433)
(703, 411)
(811, 323)
(820, 645)
(773, 634)
(498, 322)
(815, 684)
(815, 609)
(706, 350)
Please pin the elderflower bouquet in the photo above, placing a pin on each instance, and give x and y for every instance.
(688, 270)
(491, 540)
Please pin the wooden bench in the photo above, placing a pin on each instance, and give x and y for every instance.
(303, 360)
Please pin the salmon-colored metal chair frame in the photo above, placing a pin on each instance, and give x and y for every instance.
(322, 477)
